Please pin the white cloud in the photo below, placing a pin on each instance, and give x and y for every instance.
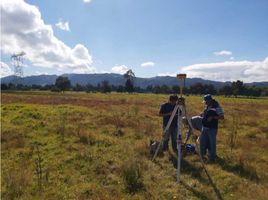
(88, 70)
(87, 1)
(23, 28)
(63, 26)
(148, 64)
(247, 71)
(104, 72)
(120, 69)
(41, 73)
(167, 74)
(223, 53)
(5, 70)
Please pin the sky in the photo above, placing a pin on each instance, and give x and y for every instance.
(223, 40)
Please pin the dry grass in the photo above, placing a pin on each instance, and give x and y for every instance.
(103, 148)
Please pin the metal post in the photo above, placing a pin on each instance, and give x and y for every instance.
(179, 139)
(181, 78)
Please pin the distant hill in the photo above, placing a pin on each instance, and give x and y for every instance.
(114, 79)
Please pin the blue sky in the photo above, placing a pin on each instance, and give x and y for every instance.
(212, 39)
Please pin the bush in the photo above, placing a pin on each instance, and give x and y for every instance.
(133, 179)
(55, 89)
(17, 179)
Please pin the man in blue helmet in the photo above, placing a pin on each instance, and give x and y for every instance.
(211, 115)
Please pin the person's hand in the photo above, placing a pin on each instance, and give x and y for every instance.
(197, 140)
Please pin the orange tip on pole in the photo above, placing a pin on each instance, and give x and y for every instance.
(181, 76)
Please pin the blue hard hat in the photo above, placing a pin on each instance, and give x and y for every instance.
(207, 97)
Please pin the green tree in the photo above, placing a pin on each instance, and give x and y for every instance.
(90, 88)
(226, 90)
(4, 86)
(78, 87)
(120, 88)
(129, 85)
(237, 88)
(164, 89)
(63, 83)
(157, 89)
(197, 88)
(105, 87)
(175, 89)
(209, 89)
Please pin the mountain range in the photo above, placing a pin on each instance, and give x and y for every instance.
(114, 79)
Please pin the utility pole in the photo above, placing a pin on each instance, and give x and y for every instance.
(17, 60)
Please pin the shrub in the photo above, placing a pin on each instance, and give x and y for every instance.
(234, 130)
(12, 139)
(62, 124)
(133, 179)
(17, 178)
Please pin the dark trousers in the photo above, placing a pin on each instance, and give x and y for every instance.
(171, 132)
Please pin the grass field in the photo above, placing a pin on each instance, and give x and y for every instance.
(95, 146)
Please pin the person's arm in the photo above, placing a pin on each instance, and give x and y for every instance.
(164, 114)
(217, 117)
(220, 113)
(163, 111)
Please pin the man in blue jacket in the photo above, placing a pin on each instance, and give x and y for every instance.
(165, 112)
(211, 115)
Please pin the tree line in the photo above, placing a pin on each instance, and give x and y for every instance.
(236, 88)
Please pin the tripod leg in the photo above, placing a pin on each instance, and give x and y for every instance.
(179, 141)
(179, 162)
(165, 130)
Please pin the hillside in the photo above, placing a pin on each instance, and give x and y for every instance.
(95, 146)
(114, 79)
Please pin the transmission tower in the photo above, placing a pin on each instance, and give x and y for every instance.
(17, 60)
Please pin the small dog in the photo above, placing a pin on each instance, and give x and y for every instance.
(153, 147)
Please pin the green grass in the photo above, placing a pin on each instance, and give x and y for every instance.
(95, 146)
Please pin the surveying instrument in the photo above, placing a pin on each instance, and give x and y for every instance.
(179, 110)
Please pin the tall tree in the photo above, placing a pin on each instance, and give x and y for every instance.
(129, 76)
(197, 88)
(226, 90)
(237, 88)
(4, 86)
(209, 89)
(129, 86)
(78, 87)
(105, 87)
(63, 83)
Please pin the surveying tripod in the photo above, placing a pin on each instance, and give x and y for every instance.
(180, 108)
